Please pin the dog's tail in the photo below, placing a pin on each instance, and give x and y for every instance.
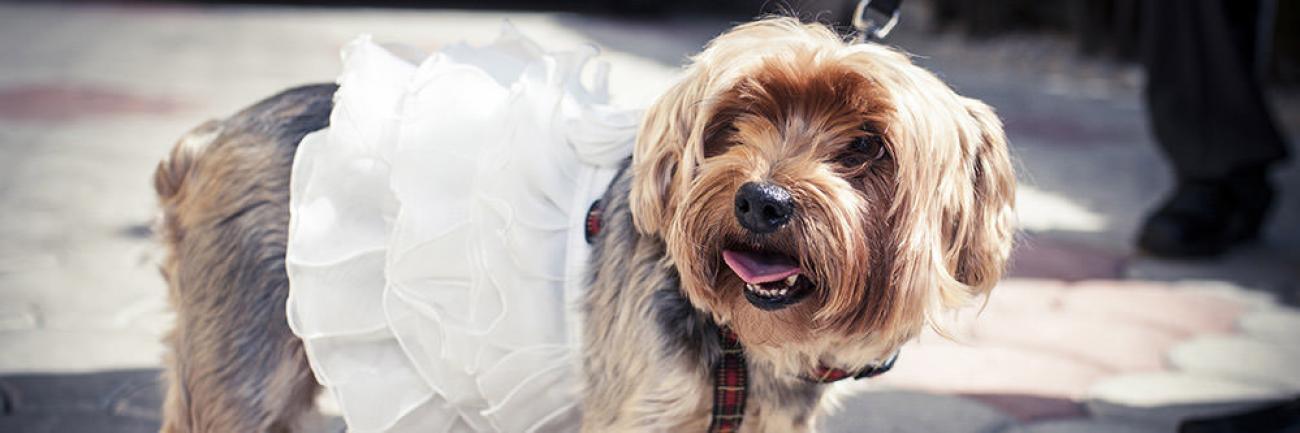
(173, 171)
(178, 168)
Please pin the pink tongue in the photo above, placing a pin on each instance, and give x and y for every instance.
(757, 268)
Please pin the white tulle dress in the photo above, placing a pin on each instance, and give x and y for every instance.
(436, 248)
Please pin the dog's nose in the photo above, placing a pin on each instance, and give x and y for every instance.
(763, 207)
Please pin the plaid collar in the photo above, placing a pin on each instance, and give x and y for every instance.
(731, 381)
(730, 372)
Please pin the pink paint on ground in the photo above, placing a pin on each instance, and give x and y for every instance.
(1039, 345)
(63, 102)
(1154, 305)
(1025, 295)
(1120, 346)
(961, 369)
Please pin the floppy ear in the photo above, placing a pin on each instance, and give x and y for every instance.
(986, 228)
(667, 150)
(670, 142)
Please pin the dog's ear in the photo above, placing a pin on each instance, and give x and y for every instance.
(669, 145)
(667, 150)
(985, 229)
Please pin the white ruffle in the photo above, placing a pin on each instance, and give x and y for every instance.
(436, 251)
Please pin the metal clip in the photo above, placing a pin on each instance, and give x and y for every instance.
(874, 27)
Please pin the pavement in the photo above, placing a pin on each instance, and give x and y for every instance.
(1085, 335)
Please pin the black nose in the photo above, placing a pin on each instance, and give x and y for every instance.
(763, 207)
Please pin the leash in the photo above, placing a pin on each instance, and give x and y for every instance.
(874, 19)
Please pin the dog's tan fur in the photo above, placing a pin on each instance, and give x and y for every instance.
(234, 366)
(890, 244)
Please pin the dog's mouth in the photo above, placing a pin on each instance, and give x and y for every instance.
(772, 280)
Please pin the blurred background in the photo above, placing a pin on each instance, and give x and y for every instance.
(1087, 334)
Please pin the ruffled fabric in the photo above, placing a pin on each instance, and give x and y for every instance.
(436, 253)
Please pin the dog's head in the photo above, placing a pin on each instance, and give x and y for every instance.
(822, 196)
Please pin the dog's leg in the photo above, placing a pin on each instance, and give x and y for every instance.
(234, 365)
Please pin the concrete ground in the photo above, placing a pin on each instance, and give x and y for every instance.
(1085, 336)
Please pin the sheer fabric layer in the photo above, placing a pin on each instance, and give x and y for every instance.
(435, 250)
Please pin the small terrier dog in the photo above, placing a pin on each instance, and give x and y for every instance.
(819, 202)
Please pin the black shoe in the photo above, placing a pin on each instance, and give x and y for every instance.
(1206, 218)
(1277, 418)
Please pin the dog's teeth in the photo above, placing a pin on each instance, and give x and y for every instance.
(790, 280)
(766, 292)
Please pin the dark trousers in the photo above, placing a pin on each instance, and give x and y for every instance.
(1206, 103)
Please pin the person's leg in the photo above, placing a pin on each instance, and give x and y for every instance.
(1212, 122)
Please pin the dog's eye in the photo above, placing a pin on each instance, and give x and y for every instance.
(719, 140)
(864, 149)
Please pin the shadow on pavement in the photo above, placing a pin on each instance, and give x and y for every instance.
(129, 401)
(115, 401)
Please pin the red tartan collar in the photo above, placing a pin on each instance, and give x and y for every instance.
(731, 381)
(824, 374)
(730, 384)
(821, 374)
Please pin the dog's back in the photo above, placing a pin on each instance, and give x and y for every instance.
(234, 365)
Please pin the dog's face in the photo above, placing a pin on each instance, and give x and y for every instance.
(822, 199)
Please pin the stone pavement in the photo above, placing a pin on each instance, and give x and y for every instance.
(1086, 335)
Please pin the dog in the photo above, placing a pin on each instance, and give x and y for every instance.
(795, 207)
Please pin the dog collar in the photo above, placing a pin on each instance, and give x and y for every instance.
(593, 221)
(731, 381)
(821, 374)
